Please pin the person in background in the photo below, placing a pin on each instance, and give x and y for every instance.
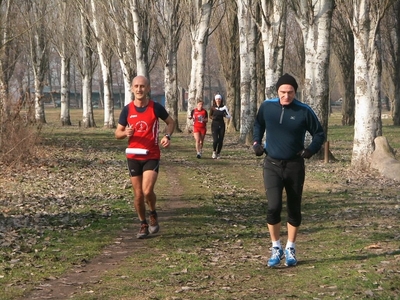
(285, 121)
(139, 122)
(217, 113)
(200, 118)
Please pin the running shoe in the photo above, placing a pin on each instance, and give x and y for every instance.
(218, 156)
(143, 232)
(154, 227)
(290, 257)
(198, 155)
(214, 155)
(276, 256)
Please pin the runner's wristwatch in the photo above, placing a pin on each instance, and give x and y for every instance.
(168, 136)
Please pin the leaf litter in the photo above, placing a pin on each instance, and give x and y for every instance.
(53, 196)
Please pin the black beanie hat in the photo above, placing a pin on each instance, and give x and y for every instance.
(287, 79)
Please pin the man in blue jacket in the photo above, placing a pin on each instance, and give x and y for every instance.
(285, 121)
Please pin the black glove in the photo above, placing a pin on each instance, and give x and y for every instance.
(305, 153)
(258, 149)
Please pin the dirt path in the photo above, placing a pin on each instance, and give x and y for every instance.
(90, 272)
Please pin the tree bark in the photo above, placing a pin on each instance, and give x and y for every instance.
(248, 77)
(343, 46)
(315, 23)
(87, 76)
(39, 54)
(141, 37)
(65, 80)
(199, 27)
(105, 64)
(125, 48)
(170, 16)
(226, 38)
(273, 32)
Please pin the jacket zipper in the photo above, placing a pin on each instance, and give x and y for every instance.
(282, 113)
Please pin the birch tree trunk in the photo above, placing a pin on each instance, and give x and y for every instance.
(65, 57)
(139, 10)
(64, 91)
(273, 32)
(364, 17)
(391, 37)
(200, 15)
(367, 84)
(314, 19)
(8, 51)
(367, 109)
(39, 53)
(125, 47)
(396, 72)
(127, 75)
(248, 80)
(170, 16)
(227, 43)
(105, 63)
(87, 75)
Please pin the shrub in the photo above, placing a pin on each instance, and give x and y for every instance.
(19, 135)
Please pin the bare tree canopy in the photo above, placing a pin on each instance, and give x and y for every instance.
(87, 53)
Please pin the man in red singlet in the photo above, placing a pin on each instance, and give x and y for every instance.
(200, 118)
(139, 122)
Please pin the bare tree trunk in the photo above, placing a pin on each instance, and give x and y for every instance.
(8, 52)
(273, 31)
(104, 52)
(39, 104)
(200, 22)
(391, 36)
(248, 77)
(314, 20)
(171, 87)
(396, 98)
(227, 43)
(65, 78)
(39, 53)
(125, 48)
(368, 112)
(141, 25)
(87, 76)
(127, 64)
(364, 18)
(170, 16)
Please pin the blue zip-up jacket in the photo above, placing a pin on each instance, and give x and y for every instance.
(285, 128)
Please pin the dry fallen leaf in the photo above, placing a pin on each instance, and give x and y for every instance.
(373, 246)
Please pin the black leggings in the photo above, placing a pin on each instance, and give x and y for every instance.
(218, 134)
(288, 175)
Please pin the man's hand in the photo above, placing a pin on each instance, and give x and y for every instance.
(258, 149)
(129, 131)
(165, 142)
(305, 153)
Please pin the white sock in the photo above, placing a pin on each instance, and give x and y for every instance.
(276, 244)
(290, 245)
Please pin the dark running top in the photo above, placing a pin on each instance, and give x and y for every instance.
(285, 128)
(217, 114)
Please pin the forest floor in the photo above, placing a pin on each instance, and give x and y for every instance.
(213, 242)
